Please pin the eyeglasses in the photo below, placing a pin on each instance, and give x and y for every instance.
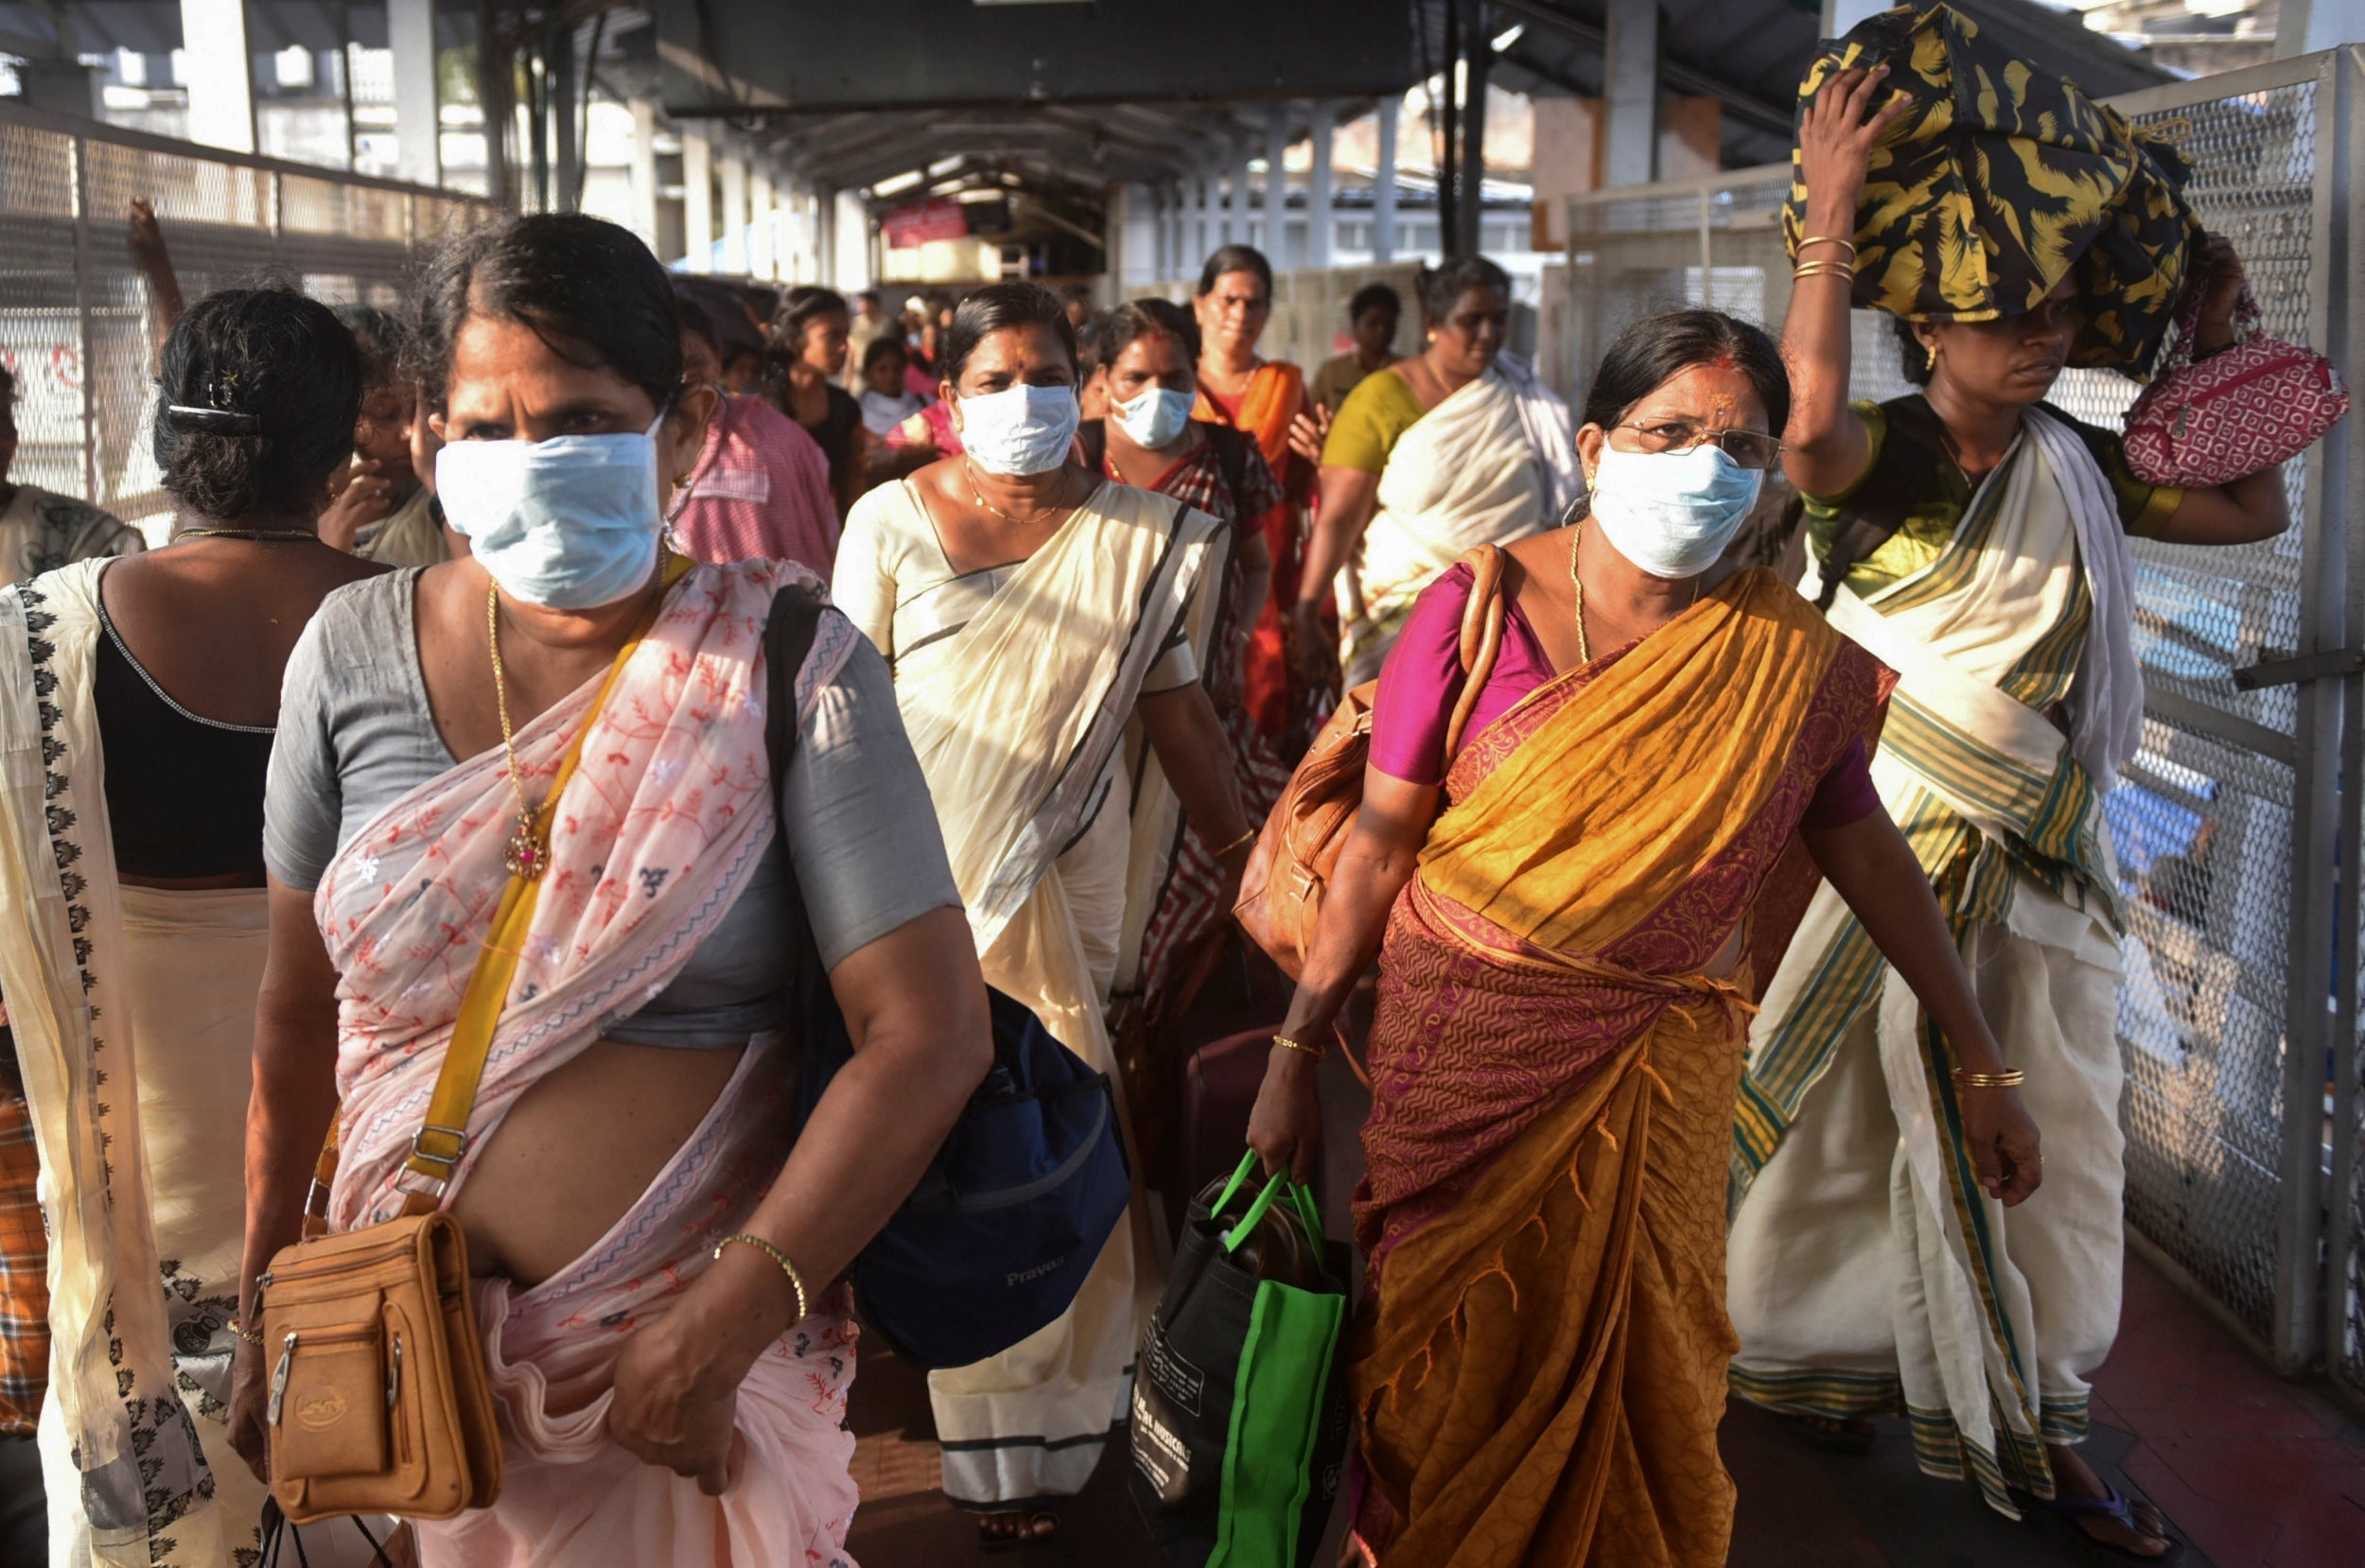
(1748, 448)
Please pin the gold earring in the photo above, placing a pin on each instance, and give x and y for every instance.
(680, 479)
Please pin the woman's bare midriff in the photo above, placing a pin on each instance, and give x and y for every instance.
(577, 1150)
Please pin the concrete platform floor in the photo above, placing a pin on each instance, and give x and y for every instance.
(2256, 1472)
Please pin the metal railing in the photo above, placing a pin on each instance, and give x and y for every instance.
(2238, 1015)
(77, 325)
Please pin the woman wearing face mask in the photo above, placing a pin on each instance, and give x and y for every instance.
(1033, 610)
(1576, 910)
(132, 872)
(653, 1243)
(1146, 349)
(1973, 538)
(1265, 399)
(1458, 446)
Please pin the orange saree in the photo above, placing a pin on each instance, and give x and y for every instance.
(1275, 396)
(1540, 1369)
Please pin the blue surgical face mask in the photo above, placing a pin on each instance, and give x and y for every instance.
(1018, 431)
(566, 523)
(1672, 513)
(1154, 417)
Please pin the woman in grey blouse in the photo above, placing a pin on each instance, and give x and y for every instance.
(633, 1111)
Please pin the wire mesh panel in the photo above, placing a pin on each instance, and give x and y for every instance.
(76, 323)
(2204, 820)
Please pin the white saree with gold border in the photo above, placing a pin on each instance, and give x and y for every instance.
(1867, 1273)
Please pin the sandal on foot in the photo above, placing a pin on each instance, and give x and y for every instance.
(1830, 1434)
(1028, 1529)
(2113, 1505)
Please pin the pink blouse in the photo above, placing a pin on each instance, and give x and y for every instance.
(1422, 679)
(760, 492)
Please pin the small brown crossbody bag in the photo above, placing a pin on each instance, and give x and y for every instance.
(380, 1401)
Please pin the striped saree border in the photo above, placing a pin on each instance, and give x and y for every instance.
(1941, 1451)
(1819, 1391)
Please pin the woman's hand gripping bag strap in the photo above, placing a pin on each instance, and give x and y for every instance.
(996, 1238)
(380, 1401)
(1239, 1415)
(2240, 412)
(1289, 870)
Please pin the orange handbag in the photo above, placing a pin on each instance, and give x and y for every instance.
(1289, 870)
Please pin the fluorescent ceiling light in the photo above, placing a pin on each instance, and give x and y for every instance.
(1509, 36)
(895, 183)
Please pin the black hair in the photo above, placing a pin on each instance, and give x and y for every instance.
(1440, 288)
(695, 321)
(880, 347)
(1236, 258)
(800, 307)
(1112, 330)
(1918, 364)
(8, 387)
(1375, 296)
(261, 388)
(998, 307)
(587, 287)
(1070, 291)
(384, 340)
(1658, 348)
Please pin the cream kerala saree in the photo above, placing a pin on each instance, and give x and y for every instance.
(1019, 718)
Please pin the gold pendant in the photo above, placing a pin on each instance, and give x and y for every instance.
(527, 855)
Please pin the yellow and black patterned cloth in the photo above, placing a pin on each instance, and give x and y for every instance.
(1997, 182)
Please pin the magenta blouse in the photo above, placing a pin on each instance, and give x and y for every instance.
(1423, 678)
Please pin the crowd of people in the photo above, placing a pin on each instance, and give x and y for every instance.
(1693, 891)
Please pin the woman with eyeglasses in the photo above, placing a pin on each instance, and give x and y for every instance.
(1572, 914)
(1975, 538)
(1457, 447)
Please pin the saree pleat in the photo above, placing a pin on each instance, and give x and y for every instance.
(1539, 1371)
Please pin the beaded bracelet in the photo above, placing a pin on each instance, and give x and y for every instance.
(796, 1280)
(1317, 1051)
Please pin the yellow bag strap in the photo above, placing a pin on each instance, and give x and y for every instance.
(442, 1141)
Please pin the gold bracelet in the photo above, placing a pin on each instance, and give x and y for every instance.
(246, 1334)
(2011, 1077)
(1242, 842)
(1824, 268)
(1317, 1051)
(1847, 245)
(795, 1280)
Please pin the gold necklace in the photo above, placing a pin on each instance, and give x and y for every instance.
(1585, 649)
(527, 854)
(979, 496)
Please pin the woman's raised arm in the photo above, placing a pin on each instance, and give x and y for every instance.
(1823, 446)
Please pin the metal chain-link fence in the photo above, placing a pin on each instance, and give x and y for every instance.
(2238, 1035)
(77, 328)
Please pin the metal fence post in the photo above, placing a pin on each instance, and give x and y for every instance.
(78, 150)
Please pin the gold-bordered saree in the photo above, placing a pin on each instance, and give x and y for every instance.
(1540, 1368)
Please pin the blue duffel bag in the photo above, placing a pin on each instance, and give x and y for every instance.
(995, 1240)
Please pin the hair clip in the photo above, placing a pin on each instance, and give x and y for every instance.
(185, 419)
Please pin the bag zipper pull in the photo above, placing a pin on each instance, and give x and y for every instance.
(394, 1373)
(279, 1381)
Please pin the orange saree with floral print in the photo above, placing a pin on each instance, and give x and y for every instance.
(1564, 998)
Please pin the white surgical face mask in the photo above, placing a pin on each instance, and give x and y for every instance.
(1672, 513)
(568, 523)
(1154, 416)
(1020, 429)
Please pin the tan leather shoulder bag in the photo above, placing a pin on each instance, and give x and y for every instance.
(1289, 870)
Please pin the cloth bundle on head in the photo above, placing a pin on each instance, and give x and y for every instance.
(2001, 180)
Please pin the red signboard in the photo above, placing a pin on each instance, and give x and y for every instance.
(917, 224)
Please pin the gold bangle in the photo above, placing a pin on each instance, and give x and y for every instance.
(246, 1334)
(2011, 1077)
(1824, 268)
(1847, 245)
(796, 1280)
(1241, 843)
(1317, 1051)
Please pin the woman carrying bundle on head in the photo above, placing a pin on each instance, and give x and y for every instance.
(547, 764)
(1458, 445)
(1571, 913)
(1975, 539)
(1034, 611)
(132, 920)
